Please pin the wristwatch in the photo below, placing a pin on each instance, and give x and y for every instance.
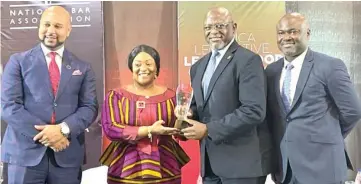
(64, 129)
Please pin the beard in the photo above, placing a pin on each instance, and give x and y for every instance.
(51, 47)
(217, 46)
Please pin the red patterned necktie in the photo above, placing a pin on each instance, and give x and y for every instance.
(54, 75)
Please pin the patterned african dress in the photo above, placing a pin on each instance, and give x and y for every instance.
(157, 160)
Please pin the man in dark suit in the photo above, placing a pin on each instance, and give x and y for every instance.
(312, 106)
(229, 107)
(48, 100)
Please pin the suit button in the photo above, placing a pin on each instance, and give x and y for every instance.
(288, 119)
(55, 104)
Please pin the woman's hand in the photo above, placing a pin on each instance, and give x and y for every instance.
(158, 129)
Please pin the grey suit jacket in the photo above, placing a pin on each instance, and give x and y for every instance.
(310, 137)
(234, 109)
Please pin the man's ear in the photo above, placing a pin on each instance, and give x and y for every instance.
(308, 32)
(69, 30)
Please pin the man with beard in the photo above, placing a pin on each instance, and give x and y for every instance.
(48, 100)
(229, 107)
(312, 106)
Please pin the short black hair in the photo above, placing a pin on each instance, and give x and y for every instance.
(147, 49)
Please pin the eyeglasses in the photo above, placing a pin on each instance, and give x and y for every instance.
(219, 26)
(292, 32)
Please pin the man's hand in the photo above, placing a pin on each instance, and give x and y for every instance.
(196, 131)
(49, 135)
(62, 144)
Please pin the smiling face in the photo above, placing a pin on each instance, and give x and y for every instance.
(293, 35)
(54, 27)
(144, 69)
(219, 28)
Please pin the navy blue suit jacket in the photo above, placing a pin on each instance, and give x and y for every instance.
(27, 100)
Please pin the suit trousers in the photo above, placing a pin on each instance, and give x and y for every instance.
(291, 179)
(211, 178)
(46, 172)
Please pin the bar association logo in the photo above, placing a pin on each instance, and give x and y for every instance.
(26, 14)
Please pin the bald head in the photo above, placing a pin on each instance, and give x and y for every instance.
(219, 28)
(293, 33)
(56, 11)
(295, 18)
(55, 27)
(220, 13)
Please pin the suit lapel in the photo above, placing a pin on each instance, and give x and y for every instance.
(279, 68)
(66, 72)
(43, 69)
(302, 79)
(221, 66)
(197, 86)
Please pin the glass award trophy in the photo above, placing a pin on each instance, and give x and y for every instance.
(184, 95)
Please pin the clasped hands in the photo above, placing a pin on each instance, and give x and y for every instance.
(50, 136)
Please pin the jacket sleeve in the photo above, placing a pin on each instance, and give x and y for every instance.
(193, 105)
(12, 100)
(115, 127)
(87, 110)
(344, 95)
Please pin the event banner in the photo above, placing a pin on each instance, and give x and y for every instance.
(19, 32)
(256, 31)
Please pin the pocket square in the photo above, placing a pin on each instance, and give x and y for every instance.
(77, 72)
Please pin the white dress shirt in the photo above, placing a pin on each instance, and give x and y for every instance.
(58, 56)
(295, 73)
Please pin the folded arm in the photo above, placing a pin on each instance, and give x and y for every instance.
(114, 125)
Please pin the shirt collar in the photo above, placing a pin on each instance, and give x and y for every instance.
(224, 50)
(46, 50)
(298, 61)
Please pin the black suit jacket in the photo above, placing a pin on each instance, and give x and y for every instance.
(234, 110)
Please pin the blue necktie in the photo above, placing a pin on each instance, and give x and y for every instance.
(286, 88)
(211, 67)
